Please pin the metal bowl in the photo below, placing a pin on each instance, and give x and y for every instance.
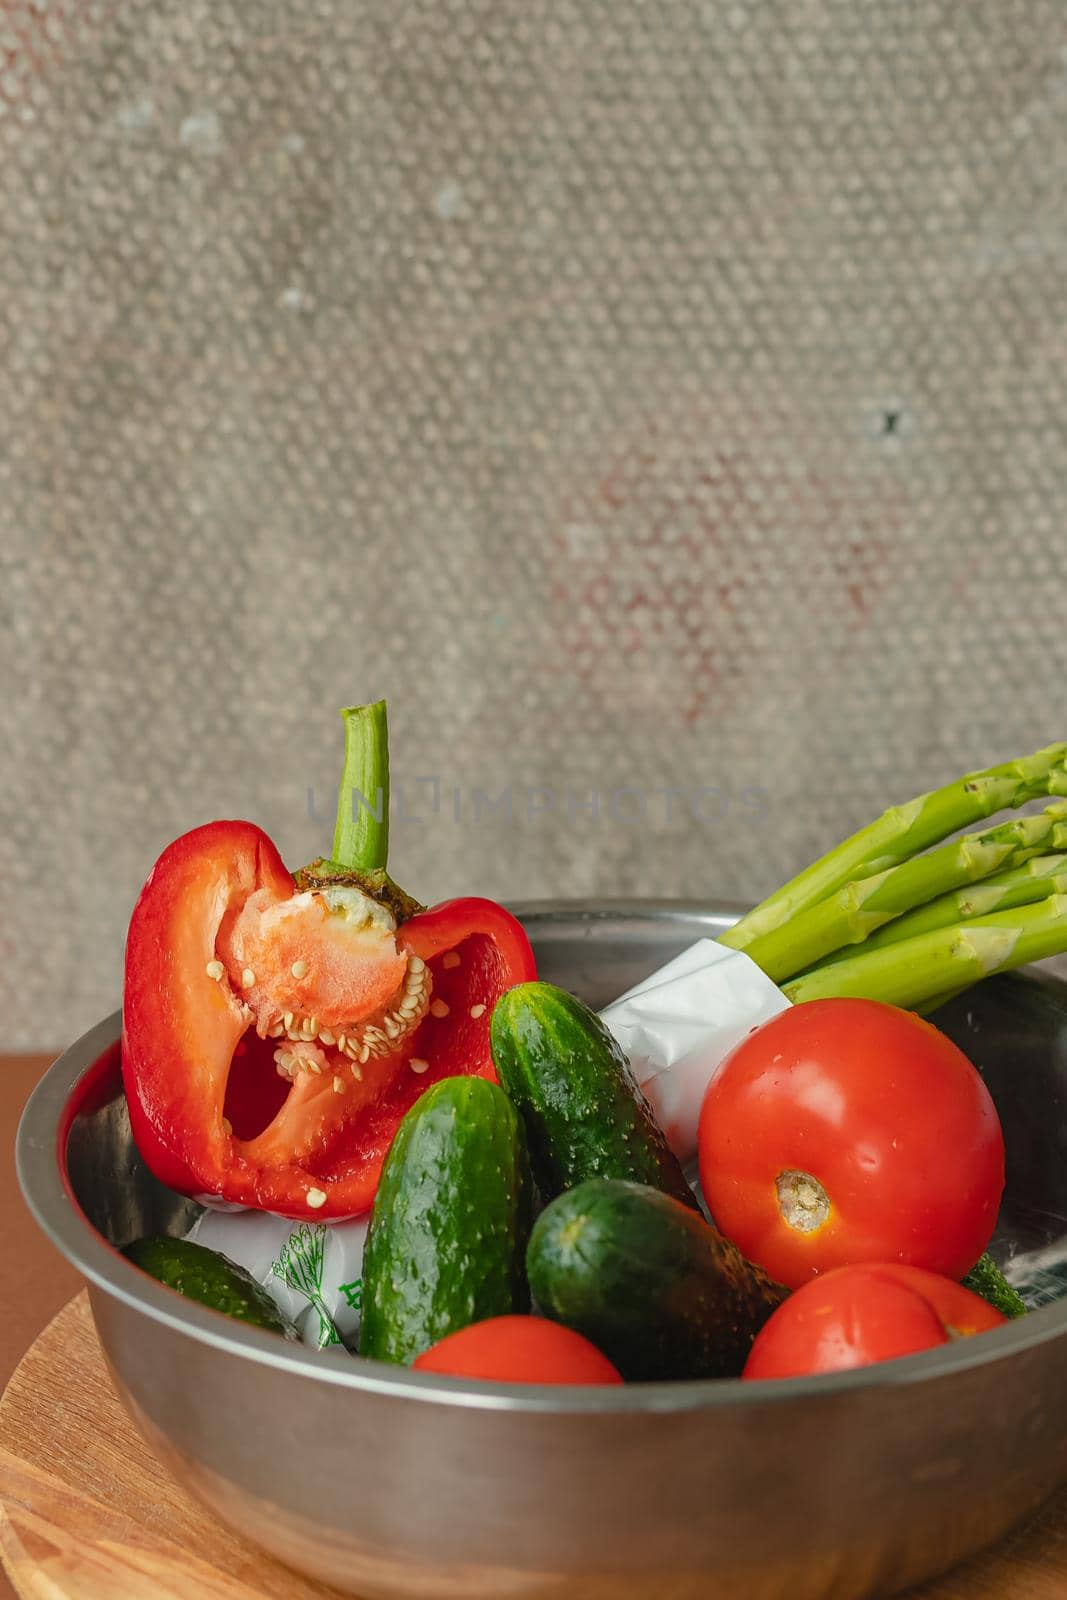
(386, 1482)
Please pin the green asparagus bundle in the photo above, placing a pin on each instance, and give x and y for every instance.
(896, 913)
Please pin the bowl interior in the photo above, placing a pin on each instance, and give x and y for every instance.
(597, 951)
(1014, 1028)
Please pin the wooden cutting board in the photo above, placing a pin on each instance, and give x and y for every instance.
(88, 1513)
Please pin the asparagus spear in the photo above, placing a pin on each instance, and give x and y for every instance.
(926, 1008)
(902, 831)
(852, 913)
(912, 972)
(1014, 886)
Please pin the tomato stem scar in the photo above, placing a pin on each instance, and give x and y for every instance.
(802, 1200)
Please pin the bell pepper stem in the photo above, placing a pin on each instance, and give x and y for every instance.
(361, 834)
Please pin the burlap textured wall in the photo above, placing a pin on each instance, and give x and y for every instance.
(645, 396)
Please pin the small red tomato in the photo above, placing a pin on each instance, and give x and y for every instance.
(856, 1316)
(518, 1350)
(849, 1130)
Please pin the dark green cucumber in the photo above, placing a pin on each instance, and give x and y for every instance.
(451, 1219)
(584, 1112)
(986, 1279)
(210, 1278)
(652, 1284)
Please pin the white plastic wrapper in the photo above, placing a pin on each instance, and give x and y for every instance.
(676, 1027)
(313, 1271)
(679, 1025)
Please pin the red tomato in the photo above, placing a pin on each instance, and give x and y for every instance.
(849, 1130)
(518, 1350)
(858, 1315)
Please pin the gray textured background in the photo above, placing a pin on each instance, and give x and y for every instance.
(640, 394)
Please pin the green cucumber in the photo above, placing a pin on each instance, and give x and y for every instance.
(451, 1219)
(986, 1279)
(650, 1283)
(585, 1114)
(211, 1278)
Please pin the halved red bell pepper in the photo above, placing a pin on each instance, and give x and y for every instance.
(275, 1031)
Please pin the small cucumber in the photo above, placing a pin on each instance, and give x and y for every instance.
(210, 1278)
(986, 1279)
(584, 1112)
(450, 1223)
(650, 1283)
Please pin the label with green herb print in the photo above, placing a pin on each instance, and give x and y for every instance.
(313, 1271)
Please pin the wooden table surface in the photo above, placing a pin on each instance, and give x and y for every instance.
(35, 1281)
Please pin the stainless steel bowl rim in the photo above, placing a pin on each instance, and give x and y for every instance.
(41, 1162)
